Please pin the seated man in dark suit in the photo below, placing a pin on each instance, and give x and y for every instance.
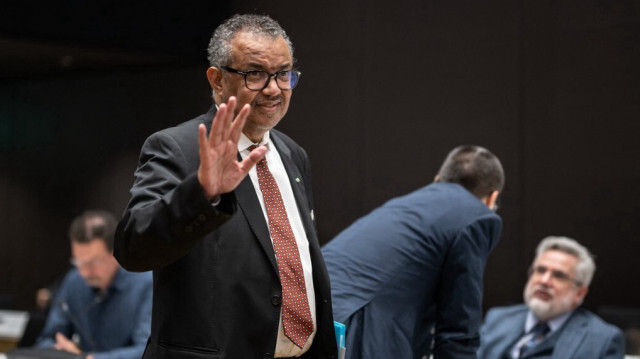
(100, 310)
(551, 325)
(410, 272)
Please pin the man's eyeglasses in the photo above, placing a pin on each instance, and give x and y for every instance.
(89, 263)
(256, 80)
(560, 276)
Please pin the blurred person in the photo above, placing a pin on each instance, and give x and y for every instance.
(550, 324)
(237, 266)
(406, 279)
(100, 310)
(37, 318)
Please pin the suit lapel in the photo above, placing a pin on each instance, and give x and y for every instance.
(512, 336)
(248, 201)
(297, 184)
(564, 342)
(572, 334)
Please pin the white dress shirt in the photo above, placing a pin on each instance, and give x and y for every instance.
(284, 346)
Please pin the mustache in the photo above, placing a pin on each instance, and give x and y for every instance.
(544, 289)
(258, 100)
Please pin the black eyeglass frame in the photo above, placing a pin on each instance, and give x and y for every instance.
(555, 274)
(269, 76)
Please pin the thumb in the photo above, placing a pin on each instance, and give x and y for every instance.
(254, 156)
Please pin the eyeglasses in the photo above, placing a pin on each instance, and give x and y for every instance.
(89, 263)
(558, 275)
(256, 80)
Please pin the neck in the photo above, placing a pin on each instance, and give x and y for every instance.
(255, 137)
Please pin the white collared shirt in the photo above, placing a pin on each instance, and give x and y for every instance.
(284, 346)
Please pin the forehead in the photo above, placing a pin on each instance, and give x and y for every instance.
(87, 250)
(260, 50)
(557, 259)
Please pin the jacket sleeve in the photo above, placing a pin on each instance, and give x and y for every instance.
(459, 295)
(168, 211)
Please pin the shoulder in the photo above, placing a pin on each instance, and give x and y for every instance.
(183, 133)
(287, 144)
(138, 280)
(594, 323)
(72, 279)
(499, 313)
(186, 131)
(285, 139)
(73, 287)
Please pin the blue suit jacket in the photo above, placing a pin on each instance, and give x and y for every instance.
(391, 269)
(583, 335)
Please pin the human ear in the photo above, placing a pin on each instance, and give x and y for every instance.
(214, 75)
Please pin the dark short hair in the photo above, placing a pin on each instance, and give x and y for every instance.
(474, 168)
(93, 225)
(219, 50)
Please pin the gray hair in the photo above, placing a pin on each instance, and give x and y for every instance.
(585, 267)
(219, 49)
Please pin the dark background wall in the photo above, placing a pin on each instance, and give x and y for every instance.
(388, 88)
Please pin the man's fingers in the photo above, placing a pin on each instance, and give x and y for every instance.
(254, 156)
(238, 123)
(202, 141)
(228, 118)
(222, 122)
(218, 125)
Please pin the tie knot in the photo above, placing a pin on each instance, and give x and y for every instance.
(263, 161)
(541, 329)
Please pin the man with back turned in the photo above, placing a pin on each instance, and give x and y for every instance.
(410, 272)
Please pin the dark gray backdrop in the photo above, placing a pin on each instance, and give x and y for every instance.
(388, 88)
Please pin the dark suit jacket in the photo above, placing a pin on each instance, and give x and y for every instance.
(411, 268)
(583, 336)
(216, 287)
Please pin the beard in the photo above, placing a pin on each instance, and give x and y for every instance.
(540, 308)
(547, 309)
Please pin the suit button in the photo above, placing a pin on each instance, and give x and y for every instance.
(276, 300)
(267, 356)
(188, 229)
(202, 218)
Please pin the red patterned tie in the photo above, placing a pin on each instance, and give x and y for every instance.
(296, 316)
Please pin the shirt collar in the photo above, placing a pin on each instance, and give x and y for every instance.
(554, 323)
(118, 283)
(244, 142)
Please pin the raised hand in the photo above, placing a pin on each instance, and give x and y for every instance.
(220, 171)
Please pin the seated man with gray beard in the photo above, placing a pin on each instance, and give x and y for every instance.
(551, 325)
